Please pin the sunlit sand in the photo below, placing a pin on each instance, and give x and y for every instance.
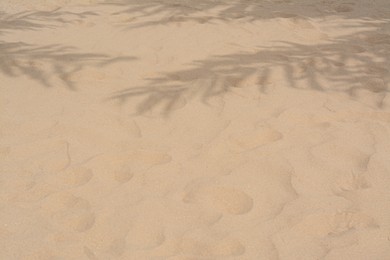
(186, 130)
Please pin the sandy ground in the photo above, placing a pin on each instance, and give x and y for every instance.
(204, 129)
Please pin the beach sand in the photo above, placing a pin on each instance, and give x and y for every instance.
(186, 130)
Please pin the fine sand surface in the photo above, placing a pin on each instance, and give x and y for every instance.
(195, 129)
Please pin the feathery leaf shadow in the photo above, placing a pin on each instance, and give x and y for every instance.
(36, 20)
(42, 63)
(347, 64)
(144, 13)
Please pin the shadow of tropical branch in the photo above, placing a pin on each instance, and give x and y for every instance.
(348, 64)
(41, 63)
(158, 12)
(46, 64)
(36, 20)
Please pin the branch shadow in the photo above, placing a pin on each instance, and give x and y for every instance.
(36, 20)
(40, 63)
(165, 12)
(352, 64)
(44, 62)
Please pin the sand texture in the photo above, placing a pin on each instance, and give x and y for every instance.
(195, 129)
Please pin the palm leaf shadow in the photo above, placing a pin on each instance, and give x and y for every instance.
(348, 64)
(42, 62)
(165, 12)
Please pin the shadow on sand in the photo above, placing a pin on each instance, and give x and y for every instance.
(43, 62)
(164, 12)
(352, 63)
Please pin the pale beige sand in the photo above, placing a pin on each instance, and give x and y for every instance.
(202, 129)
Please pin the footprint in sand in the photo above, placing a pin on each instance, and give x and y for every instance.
(204, 243)
(151, 157)
(351, 182)
(117, 247)
(35, 192)
(123, 175)
(249, 140)
(146, 234)
(67, 211)
(325, 224)
(49, 155)
(76, 176)
(89, 253)
(122, 165)
(340, 157)
(231, 200)
(225, 199)
(131, 126)
(83, 222)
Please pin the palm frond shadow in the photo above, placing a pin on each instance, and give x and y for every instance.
(36, 20)
(164, 12)
(46, 64)
(41, 63)
(349, 64)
